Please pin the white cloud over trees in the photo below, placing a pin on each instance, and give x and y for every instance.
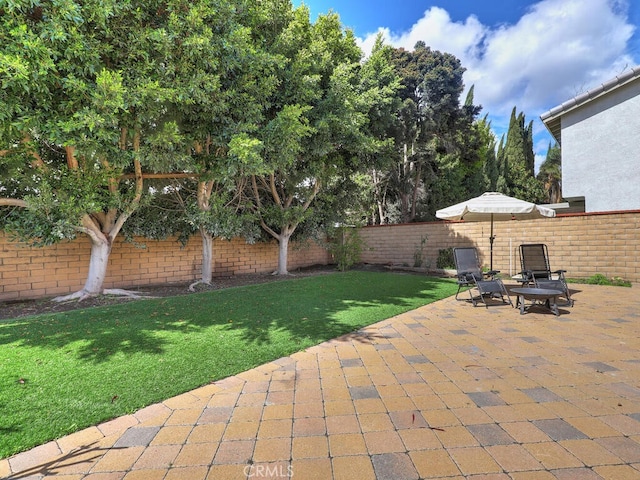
(556, 50)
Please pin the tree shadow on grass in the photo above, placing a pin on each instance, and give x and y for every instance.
(149, 350)
(312, 308)
(330, 309)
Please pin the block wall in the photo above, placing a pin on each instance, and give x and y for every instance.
(582, 244)
(27, 272)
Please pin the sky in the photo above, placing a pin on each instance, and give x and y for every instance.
(532, 55)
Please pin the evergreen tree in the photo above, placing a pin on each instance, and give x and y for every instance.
(487, 152)
(434, 144)
(100, 98)
(550, 174)
(516, 162)
(459, 170)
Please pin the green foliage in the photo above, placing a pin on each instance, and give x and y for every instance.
(345, 246)
(550, 174)
(176, 213)
(121, 82)
(54, 212)
(418, 254)
(445, 258)
(515, 162)
(320, 130)
(600, 279)
(436, 158)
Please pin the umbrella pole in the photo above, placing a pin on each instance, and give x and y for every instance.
(491, 239)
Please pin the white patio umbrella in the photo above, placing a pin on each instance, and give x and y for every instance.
(494, 206)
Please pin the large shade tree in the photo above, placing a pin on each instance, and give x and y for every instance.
(382, 84)
(313, 130)
(431, 128)
(92, 105)
(228, 79)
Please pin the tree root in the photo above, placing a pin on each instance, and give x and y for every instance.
(125, 293)
(192, 287)
(83, 294)
(285, 274)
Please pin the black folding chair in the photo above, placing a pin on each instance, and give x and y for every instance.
(470, 275)
(534, 260)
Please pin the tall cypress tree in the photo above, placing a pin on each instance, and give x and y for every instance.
(550, 174)
(516, 162)
(502, 168)
(488, 154)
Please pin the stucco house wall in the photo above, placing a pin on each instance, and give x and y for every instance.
(599, 134)
(600, 151)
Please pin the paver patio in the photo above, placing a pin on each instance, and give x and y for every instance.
(444, 391)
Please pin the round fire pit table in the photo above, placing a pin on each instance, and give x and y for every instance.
(537, 296)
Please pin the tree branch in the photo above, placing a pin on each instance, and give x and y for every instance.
(72, 161)
(139, 189)
(274, 189)
(12, 202)
(316, 189)
(159, 175)
(91, 229)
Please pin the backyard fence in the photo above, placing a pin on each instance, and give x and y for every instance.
(582, 244)
(27, 272)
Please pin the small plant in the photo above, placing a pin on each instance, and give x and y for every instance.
(600, 279)
(345, 245)
(418, 255)
(445, 259)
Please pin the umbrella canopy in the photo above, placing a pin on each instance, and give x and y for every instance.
(492, 206)
(496, 206)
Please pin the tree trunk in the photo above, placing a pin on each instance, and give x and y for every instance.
(283, 242)
(404, 208)
(416, 189)
(97, 267)
(207, 257)
(379, 199)
(206, 276)
(405, 184)
(100, 250)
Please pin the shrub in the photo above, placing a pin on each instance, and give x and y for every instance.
(418, 254)
(600, 279)
(345, 246)
(445, 259)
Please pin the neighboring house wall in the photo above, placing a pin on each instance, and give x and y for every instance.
(583, 244)
(600, 151)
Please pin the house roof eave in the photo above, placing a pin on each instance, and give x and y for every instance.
(553, 118)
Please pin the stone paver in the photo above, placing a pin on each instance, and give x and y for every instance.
(443, 391)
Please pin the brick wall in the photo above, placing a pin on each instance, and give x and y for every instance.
(60, 269)
(582, 244)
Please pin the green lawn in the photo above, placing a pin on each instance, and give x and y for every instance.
(63, 372)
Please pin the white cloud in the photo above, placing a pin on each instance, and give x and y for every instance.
(437, 30)
(557, 50)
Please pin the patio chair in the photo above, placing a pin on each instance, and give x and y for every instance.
(470, 275)
(534, 260)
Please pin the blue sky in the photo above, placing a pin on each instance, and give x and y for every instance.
(533, 55)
